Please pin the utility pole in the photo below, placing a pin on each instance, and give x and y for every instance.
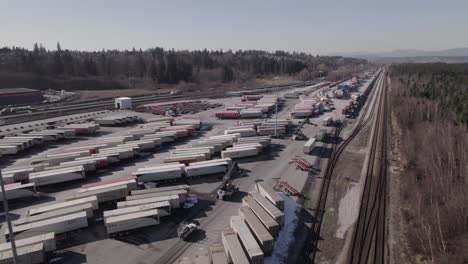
(7, 217)
(276, 111)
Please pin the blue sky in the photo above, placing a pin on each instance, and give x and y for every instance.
(317, 27)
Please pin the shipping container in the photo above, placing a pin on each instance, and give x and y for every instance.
(104, 159)
(144, 144)
(164, 209)
(262, 235)
(244, 132)
(17, 174)
(233, 137)
(92, 149)
(239, 153)
(36, 140)
(215, 162)
(267, 191)
(181, 193)
(73, 153)
(204, 169)
(58, 225)
(251, 113)
(270, 131)
(30, 254)
(271, 225)
(247, 126)
(86, 207)
(175, 153)
(159, 174)
(185, 158)
(174, 200)
(236, 108)
(264, 140)
(227, 114)
(23, 142)
(99, 160)
(120, 223)
(161, 189)
(131, 185)
(15, 191)
(209, 149)
(103, 195)
(105, 182)
(88, 165)
(253, 250)
(48, 239)
(122, 153)
(8, 149)
(163, 166)
(309, 145)
(256, 145)
(57, 175)
(233, 247)
(225, 161)
(269, 207)
(217, 146)
(62, 205)
(251, 97)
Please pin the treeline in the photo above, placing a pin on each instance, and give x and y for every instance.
(164, 66)
(430, 103)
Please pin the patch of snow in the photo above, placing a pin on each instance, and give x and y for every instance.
(286, 235)
(348, 210)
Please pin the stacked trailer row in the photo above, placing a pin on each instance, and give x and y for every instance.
(233, 247)
(267, 191)
(263, 237)
(271, 225)
(11, 145)
(253, 250)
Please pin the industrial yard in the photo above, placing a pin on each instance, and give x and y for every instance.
(118, 186)
(230, 132)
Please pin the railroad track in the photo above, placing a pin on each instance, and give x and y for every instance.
(368, 245)
(106, 104)
(310, 248)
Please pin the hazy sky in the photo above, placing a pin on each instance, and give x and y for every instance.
(318, 27)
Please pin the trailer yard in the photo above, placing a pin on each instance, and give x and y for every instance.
(92, 182)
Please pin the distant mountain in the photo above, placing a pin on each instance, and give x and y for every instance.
(407, 53)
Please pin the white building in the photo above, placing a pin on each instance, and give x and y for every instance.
(123, 103)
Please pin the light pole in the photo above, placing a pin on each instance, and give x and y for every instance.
(7, 217)
(276, 109)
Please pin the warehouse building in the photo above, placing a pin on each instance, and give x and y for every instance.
(20, 96)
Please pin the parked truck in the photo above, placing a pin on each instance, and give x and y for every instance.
(132, 221)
